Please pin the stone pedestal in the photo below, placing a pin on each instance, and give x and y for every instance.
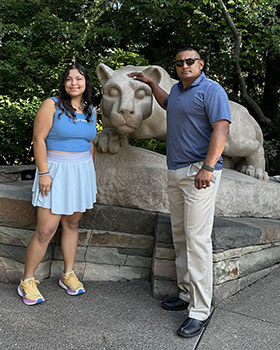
(244, 250)
(128, 235)
(137, 178)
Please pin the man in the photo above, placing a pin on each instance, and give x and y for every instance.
(198, 119)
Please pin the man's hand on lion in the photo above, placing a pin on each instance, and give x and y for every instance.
(158, 92)
(141, 77)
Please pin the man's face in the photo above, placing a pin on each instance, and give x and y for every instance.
(188, 73)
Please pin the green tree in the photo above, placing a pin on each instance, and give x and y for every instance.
(156, 29)
(38, 38)
(16, 125)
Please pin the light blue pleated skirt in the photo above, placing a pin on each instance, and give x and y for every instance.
(73, 184)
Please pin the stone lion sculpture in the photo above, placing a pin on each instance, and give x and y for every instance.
(129, 111)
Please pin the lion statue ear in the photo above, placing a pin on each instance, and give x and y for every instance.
(154, 73)
(103, 73)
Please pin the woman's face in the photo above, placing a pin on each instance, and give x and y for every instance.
(75, 83)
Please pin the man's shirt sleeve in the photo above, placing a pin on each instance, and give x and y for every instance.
(217, 104)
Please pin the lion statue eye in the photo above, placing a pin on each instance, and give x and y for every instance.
(140, 93)
(114, 92)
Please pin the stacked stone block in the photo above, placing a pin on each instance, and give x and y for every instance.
(13, 243)
(118, 243)
(244, 250)
(110, 256)
(17, 173)
(115, 243)
(17, 224)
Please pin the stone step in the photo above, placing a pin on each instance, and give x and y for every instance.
(118, 243)
(229, 233)
(16, 210)
(101, 254)
(244, 250)
(17, 173)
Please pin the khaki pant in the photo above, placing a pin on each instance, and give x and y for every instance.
(192, 215)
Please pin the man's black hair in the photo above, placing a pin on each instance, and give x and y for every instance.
(188, 48)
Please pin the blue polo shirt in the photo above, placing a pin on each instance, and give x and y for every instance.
(190, 113)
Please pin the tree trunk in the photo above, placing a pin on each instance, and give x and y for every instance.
(271, 98)
(259, 115)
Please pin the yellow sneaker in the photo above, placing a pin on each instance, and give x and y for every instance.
(70, 282)
(29, 292)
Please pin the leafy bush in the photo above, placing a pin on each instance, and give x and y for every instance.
(271, 148)
(154, 145)
(16, 127)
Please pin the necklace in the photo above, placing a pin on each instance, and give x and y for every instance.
(80, 107)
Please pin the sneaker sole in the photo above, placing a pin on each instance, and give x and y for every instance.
(28, 301)
(69, 290)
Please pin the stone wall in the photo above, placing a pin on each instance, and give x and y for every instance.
(16, 173)
(115, 244)
(118, 243)
(137, 178)
(244, 250)
(13, 243)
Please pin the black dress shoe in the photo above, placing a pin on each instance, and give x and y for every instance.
(191, 327)
(174, 304)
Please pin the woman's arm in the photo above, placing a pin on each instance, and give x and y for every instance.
(92, 151)
(42, 125)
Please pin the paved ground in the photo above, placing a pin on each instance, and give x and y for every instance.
(123, 315)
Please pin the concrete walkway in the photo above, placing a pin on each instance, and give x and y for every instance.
(123, 315)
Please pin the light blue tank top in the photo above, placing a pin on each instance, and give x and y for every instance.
(67, 135)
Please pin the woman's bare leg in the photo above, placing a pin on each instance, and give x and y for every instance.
(47, 224)
(69, 239)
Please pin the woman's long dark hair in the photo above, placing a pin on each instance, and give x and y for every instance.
(64, 100)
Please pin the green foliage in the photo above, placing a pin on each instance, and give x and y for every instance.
(272, 153)
(271, 148)
(38, 38)
(16, 126)
(154, 145)
(118, 58)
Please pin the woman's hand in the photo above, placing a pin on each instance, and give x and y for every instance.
(45, 184)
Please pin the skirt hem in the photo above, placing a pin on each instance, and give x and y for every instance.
(75, 211)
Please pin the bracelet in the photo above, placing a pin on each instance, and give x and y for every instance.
(45, 173)
(208, 167)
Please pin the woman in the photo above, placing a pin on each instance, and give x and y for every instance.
(65, 184)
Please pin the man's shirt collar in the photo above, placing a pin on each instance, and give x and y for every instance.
(196, 82)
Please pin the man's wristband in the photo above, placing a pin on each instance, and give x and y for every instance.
(208, 167)
(45, 173)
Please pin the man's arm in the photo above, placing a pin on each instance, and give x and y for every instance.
(216, 147)
(158, 92)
